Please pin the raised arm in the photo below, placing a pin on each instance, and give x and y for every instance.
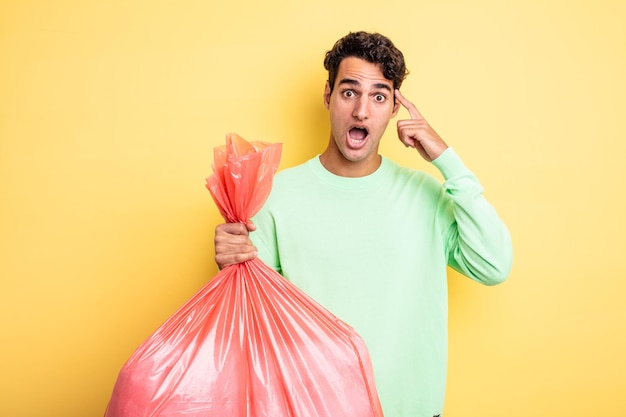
(478, 243)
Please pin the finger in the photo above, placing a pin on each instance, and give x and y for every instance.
(223, 261)
(413, 112)
(232, 228)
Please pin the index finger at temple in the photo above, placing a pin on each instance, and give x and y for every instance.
(413, 112)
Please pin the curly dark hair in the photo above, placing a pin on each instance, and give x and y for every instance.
(372, 47)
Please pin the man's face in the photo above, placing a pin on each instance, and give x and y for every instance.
(360, 106)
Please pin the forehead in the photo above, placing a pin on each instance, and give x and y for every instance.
(364, 72)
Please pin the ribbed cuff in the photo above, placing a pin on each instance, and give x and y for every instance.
(449, 164)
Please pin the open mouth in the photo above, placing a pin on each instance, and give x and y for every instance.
(357, 136)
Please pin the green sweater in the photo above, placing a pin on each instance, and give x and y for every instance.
(374, 250)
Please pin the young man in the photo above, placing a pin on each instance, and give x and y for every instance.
(371, 240)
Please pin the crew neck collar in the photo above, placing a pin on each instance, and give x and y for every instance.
(349, 183)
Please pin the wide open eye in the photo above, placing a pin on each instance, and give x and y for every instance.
(348, 93)
(380, 98)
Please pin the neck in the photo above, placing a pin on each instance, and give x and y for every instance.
(337, 164)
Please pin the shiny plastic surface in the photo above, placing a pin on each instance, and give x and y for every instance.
(249, 343)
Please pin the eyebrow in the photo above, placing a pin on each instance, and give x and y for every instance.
(352, 81)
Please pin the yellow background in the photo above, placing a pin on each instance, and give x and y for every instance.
(109, 111)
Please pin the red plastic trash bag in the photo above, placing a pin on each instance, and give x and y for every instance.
(249, 343)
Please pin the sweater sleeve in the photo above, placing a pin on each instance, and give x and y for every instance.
(478, 243)
(264, 238)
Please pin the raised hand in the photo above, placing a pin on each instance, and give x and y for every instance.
(417, 133)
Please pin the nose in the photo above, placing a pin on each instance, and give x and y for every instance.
(361, 110)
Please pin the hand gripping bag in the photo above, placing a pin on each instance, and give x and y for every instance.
(248, 343)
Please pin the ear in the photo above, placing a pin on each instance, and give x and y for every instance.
(396, 107)
(327, 95)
